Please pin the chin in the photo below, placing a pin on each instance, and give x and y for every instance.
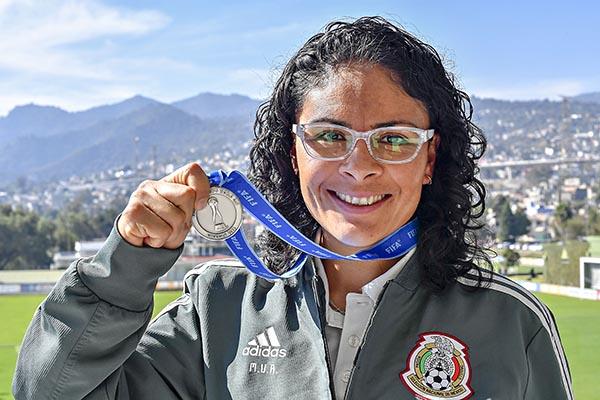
(354, 238)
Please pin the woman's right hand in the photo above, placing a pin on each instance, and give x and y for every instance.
(159, 213)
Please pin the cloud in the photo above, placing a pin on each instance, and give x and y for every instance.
(38, 34)
(45, 24)
(79, 54)
(45, 40)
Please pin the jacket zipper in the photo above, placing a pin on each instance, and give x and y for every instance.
(317, 294)
(364, 339)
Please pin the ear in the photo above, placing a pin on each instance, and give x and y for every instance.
(432, 147)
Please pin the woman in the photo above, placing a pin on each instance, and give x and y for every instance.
(365, 130)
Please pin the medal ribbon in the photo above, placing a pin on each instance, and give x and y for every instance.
(392, 246)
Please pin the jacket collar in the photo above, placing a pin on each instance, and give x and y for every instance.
(410, 276)
(309, 269)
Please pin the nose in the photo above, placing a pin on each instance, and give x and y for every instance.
(359, 164)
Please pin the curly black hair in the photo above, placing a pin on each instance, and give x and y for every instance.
(449, 208)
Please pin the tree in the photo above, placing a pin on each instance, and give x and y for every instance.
(103, 221)
(26, 240)
(511, 257)
(510, 225)
(72, 226)
(7, 251)
(563, 213)
(561, 262)
(5, 210)
(571, 226)
(503, 217)
(575, 228)
(594, 222)
(520, 223)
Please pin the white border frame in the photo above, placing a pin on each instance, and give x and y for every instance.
(582, 261)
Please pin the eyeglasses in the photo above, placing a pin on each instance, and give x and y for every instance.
(392, 144)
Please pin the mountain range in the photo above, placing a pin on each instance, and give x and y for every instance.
(592, 97)
(45, 143)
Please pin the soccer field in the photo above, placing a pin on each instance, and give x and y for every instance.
(578, 322)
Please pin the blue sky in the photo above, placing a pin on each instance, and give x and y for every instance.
(77, 54)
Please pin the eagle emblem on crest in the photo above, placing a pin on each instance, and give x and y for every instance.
(438, 368)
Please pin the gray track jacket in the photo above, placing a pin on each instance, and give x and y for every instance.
(232, 335)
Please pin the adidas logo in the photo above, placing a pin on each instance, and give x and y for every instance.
(265, 344)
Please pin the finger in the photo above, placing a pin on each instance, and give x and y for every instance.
(145, 226)
(176, 239)
(193, 176)
(181, 196)
(177, 219)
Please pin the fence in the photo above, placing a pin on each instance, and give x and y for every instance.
(45, 285)
(570, 291)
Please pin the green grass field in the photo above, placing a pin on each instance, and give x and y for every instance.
(15, 314)
(578, 322)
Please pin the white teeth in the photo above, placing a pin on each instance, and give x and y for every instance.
(361, 201)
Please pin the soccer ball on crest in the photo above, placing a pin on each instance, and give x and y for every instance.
(437, 379)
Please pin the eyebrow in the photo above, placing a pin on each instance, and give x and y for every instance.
(379, 125)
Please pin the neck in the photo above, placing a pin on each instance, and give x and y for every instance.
(349, 276)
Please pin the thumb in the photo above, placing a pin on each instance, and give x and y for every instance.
(192, 175)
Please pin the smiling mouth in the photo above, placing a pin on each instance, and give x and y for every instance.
(360, 201)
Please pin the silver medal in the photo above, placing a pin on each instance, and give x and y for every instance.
(222, 216)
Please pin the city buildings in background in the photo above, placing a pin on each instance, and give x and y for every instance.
(541, 168)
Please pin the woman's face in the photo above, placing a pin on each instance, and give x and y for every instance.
(362, 98)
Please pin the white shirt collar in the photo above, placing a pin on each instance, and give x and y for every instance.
(374, 287)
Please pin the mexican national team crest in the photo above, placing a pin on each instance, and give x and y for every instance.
(438, 368)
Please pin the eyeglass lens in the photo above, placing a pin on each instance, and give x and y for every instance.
(393, 145)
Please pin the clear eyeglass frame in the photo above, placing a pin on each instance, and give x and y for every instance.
(425, 135)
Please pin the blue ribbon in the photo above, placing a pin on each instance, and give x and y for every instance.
(393, 246)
